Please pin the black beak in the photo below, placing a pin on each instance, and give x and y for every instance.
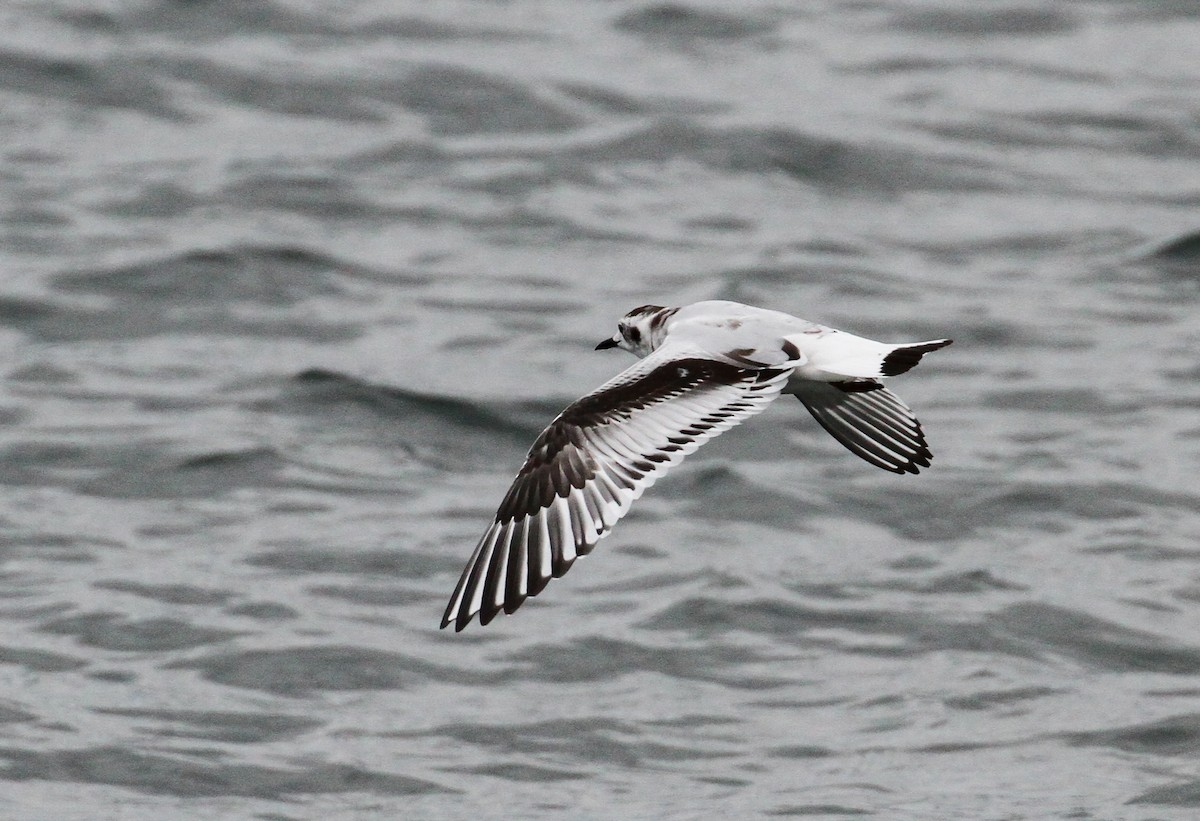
(606, 344)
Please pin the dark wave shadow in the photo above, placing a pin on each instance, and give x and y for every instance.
(527, 773)
(115, 81)
(438, 432)
(320, 386)
(301, 672)
(442, 431)
(320, 196)
(1005, 700)
(215, 725)
(1186, 794)
(238, 290)
(985, 21)
(183, 594)
(598, 659)
(278, 276)
(611, 101)
(719, 492)
(287, 94)
(591, 740)
(1178, 258)
(1151, 136)
(151, 469)
(1028, 630)
(453, 101)
(381, 563)
(178, 775)
(680, 22)
(838, 165)
(40, 661)
(111, 631)
(456, 101)
(1172, 736)
(940, 514)
(215, 19)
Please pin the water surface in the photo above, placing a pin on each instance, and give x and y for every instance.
(290, 287)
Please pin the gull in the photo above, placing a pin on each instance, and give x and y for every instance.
(702, 369)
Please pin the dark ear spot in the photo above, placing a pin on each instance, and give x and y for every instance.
(635, 334)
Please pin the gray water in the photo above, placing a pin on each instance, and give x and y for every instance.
(288, 288)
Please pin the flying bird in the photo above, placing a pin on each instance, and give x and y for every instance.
(702, 369)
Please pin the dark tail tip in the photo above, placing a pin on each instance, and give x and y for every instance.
(903, 359)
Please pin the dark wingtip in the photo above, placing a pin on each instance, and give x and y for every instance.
(903, 359)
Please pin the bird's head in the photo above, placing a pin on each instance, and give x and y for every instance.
(640, 331)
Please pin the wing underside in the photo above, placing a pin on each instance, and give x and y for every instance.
(871, 421)
(592, 462)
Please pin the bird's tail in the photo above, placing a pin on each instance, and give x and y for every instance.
(853, 357)
(903, 357)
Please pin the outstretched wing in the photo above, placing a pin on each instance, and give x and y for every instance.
(870, 420)
(591, 463)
